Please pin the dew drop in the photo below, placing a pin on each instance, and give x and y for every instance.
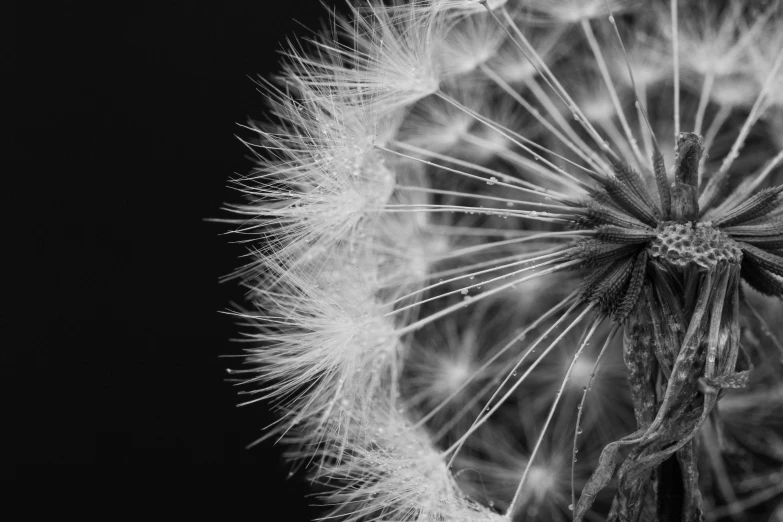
(570, 507)
(464, 291)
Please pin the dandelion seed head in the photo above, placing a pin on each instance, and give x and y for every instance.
(702, 245)
(462, 256)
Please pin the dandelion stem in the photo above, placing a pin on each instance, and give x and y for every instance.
(691, 335)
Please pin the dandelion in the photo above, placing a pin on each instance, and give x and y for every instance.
(521, 260)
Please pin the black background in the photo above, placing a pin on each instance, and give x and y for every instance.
(127, 119)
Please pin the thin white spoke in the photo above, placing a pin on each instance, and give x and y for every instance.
(611, 130)
(516, 241)
(709, 137)
(503, 180)
(474, 266)
(474, 195)
(454, 448)
(546, 217)
(704, 98)
(465, 289)
(644, 130)
(543, 70)
(468, 165)
(575, 144)
(558, 250)
(711, 190)
(568, 180)
(556, 115)
(457, 230)
(577, 429)
(676, 66)
(599, 58)
(446, 311)
(517, 338)
(514, 137)
(579, 351)
(639, 105)
(747, 188)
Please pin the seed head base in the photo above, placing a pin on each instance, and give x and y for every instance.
(688, 244)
